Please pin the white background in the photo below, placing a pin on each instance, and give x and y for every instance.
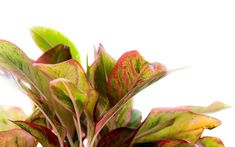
(199, 34)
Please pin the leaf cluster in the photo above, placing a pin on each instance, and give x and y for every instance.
(73, 105)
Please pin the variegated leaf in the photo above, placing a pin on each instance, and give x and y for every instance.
(46, 38)
(57, 54)
(173, 123)
(17, 138)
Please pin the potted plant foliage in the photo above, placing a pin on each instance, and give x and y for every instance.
(73, 107)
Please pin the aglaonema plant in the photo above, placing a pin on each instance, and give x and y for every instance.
(73, 107)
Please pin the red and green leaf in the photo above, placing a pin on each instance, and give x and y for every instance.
(99, 71)
(57, 54)
(120, 137)
(44, 135)
(132, 73)
(122, 118)
(175, 143)
(98, 74)
(174, 123)
(58, 88)
(72, 71)
(10, 113)
(143, 74)
(210, 142)
(46, 38)
(15, 61)
(17, 138)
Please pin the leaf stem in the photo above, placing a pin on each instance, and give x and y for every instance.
(77, 122)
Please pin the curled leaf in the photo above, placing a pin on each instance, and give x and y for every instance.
(57, 54)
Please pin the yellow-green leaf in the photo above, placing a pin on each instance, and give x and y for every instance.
(10, 113)
(173, 123)
(208, 141)
(46, 38)
(214, 107)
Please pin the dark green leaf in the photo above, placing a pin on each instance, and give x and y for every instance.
(100, 70)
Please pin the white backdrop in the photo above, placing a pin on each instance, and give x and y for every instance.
(199, 34)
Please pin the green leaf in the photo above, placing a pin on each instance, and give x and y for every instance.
(120, 137)
(72, 71)
(102, 106)
(135, 120)
(130, 73)
(122, 118)
(33, 82)
(15, 61)
(174, 143)
(44, 135)
(17, 138)
(58, 88)
(210, 142)
(10, 113)
(98, 74)
(100, 70)
(55, 55)
(173, 123)
(46, 38)
(214, 107)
